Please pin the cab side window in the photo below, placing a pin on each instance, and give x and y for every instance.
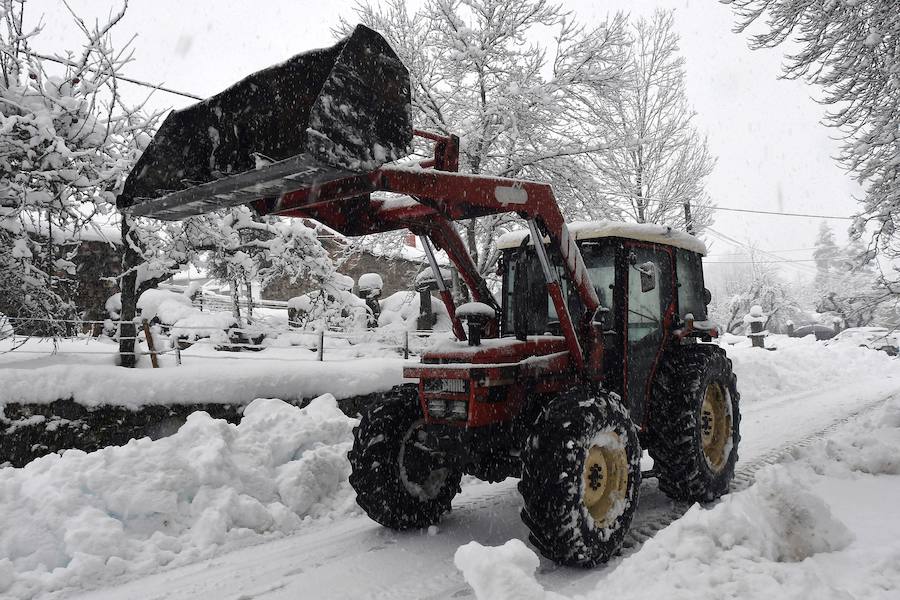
(646, 306)
(689, 271)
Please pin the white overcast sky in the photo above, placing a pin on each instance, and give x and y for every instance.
(773, 153)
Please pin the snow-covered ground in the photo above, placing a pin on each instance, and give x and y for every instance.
(263, 509)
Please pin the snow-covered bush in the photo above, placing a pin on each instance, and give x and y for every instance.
(332, 307)
(6, 328)
(400, 311)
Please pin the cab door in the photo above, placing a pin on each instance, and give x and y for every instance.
(649, 302)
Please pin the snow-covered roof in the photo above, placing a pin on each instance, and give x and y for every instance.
(645, 232)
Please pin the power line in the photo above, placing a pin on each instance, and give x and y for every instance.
(780, 214)
(801, 268)
(757, 262)
(121, 77)
(783, 250)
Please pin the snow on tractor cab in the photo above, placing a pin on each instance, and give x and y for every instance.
(593, 352)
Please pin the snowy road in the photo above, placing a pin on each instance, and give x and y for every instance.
(355, 558)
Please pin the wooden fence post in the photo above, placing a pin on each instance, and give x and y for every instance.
(406, 344)
(149, 336)
(321, 344)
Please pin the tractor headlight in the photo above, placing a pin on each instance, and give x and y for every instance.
(459, 410)
(437, 408)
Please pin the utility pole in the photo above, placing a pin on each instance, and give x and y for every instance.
(688, 220)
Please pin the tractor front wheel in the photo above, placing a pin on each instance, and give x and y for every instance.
(580, 479)
(695, 423)
(399, 482)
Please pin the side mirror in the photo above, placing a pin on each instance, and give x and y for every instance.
(648, 276)
(707, 296)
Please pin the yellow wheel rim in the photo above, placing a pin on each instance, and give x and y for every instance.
(715, 426)
(605, 480)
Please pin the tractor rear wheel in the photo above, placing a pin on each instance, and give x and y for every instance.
(581, 476)
(399, 482)
(695, 423)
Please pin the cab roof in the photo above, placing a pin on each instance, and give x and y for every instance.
(645, 232)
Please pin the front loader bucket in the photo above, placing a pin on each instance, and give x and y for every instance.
(321, 116)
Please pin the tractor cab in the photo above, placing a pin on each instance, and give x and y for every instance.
(648, 279)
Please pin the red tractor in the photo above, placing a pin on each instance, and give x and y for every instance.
(592, 353)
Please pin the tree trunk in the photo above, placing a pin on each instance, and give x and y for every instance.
(128, 289)
(249, 287)
(131, 292)
(236, 298)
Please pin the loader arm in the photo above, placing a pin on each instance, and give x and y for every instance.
(433, 200)
(325, 151)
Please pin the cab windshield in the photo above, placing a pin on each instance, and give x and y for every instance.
(523, 276)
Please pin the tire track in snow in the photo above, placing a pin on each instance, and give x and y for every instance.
(745, 475)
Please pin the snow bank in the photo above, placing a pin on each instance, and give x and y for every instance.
(81, 519)
(799, 365)
(780, 538)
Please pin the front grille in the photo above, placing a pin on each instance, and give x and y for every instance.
(450, 386)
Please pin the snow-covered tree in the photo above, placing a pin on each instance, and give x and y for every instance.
(67, 142)
(521, 108)
(61, 137)
(237, 246)
(852, 50)
(755, 283)
(846, 285)
(825, 253)
(661, 172)
(243, 248)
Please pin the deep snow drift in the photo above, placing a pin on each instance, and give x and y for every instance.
(780, 538)
(79, 519)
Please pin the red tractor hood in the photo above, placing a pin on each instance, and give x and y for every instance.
(494, 351)
(496, 360)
